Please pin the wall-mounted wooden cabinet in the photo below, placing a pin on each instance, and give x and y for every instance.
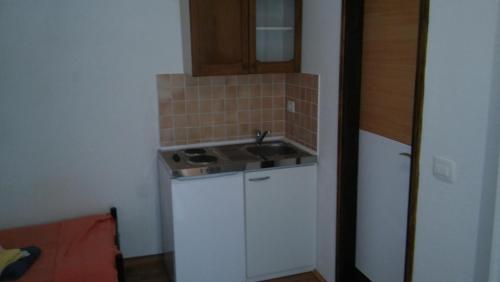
(222, 37)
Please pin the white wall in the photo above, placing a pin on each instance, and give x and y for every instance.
(320, 55)
(78, 110)
(453, 220)
(494, 144)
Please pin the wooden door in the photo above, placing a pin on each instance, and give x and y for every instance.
(219, 36)
(389, 64)
(275, 24)
(390, 42)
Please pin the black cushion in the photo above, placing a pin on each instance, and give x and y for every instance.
(17, 269)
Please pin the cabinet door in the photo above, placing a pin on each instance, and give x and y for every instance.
(280, 221)
(219, 36)
(275, 35)
(209, 229)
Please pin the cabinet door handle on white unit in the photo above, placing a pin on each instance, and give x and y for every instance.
(259, 178)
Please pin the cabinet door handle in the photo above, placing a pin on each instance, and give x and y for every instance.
(405, 154)
(259, 178)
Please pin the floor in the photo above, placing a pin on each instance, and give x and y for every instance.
(151, 269)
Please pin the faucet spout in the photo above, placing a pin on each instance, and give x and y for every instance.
(259, 137)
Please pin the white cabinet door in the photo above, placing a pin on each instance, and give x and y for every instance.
(280, 221)
(209, 231)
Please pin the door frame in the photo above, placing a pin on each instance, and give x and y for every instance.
(348, 140)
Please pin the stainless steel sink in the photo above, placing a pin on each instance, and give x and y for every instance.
(270, 150)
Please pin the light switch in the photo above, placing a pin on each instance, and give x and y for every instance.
(444, 169)
(290, 106)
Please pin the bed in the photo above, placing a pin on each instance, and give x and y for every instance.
(79, 250)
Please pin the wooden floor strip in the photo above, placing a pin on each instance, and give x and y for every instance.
(152, 269)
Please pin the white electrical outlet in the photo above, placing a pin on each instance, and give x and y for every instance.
(290, 106)
(444, 169)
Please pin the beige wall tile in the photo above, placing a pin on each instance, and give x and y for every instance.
(166, 122)
(192, 107)
(180, 122)
(231, 92)
(267, 115)
(278, 78)
(279, 90)
(243, 104)
(204, 80)
(244, 130)
(167, 135)
(267, 90)
(243, 91)
(218, 105)
(232, 80)
(178, 94)
(230, 105)
(191, 93)
(193, 133)
(279, 102)
(231, 117)
(218, 80)
(206, 133)
(206, 119)
(256, 116)
(191, 81)
(255, 91)
(232, 130)
(205, 92)
(192, 120)
(180, 134)
(255, 79)
(243, 79)
(279, 114)
(177, 80)
(218, 118)
(218, 92)
(267, 103)
(243, 117)
(179, 107)
(205, 106)
(256, 103)
(166, 107)
(267, 78)
(219, 133)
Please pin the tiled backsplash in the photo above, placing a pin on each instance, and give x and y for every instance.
(204, 109)
(302, 125)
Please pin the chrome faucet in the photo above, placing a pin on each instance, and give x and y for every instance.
(259, 136)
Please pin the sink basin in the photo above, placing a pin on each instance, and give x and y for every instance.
(268, 150)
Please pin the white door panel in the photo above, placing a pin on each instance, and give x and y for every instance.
(383, 187)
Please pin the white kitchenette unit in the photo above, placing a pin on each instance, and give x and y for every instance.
(240, 225)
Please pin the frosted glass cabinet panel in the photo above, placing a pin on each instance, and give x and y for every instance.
(275, 32)
(275, 29)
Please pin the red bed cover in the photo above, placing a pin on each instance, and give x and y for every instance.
(76, 250)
